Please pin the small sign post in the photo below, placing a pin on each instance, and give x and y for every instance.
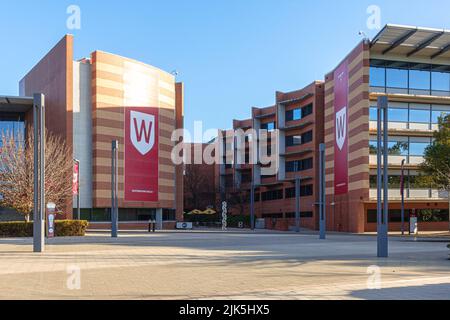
(51, 210)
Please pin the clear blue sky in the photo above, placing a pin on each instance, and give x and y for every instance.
(231, 54)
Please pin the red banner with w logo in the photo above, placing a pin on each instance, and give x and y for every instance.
(341, 132)
(141, 154)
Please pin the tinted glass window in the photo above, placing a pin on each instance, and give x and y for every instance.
(307, 137)
(373, 114)
(419, 79)
(440, 81)
(306, 111)
(398, 115)
(398, 148)
(436, 114)
(397, 78)
(417, 148)
(419, 116)
(377, 77)
(373, 147)
(293, 141)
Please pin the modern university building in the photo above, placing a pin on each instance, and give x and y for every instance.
(93, 101)
(408, 64)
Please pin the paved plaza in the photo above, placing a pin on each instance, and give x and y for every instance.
(218, 265)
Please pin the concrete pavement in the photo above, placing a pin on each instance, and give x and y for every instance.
(218, 265)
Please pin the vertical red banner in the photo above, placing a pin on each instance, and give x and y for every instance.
(341, 132)
(141, 154)
(75, 178)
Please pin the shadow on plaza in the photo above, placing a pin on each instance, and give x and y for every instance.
(234, 248)
(423, 292)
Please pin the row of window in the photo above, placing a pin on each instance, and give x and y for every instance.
(288, 215)
(403, 146)
(13, 127)
(305, 191)
(299, 113)
(289, 193)
(299, 139)
(424, 215)
(419, 81)
(299, 165)
(126, 214)
(269, 126)
(413, 113)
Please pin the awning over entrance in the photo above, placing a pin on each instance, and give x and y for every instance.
(10, 104)
(412, 41)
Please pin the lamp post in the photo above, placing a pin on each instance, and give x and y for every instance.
(297, 203)
(114, 190)
(402, 191)
(382, 179)
(39, 173)
(322, 223)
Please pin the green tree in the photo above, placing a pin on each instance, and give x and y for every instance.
(437, 157)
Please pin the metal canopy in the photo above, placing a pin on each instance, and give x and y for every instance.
(412, 41)
(15, 104)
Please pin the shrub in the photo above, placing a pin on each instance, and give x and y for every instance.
(70, 228)
(16, 229)
(63, 228)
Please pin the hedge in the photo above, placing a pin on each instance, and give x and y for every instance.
(63, 228)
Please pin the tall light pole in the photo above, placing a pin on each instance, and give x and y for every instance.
(382, 180)
(297, 203)
(322, 213)
(402, 191)
(114, 189)
(252, 204)
(39, 173)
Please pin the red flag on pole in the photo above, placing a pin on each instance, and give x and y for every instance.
(75, 178)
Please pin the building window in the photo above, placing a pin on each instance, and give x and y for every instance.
(440, 81)
(270, 126)
(417, 148)
(398, 148)
(299, 113)
(424, 215)
(306, 111)
(272, 195)
(436, 113)
(307, 214)
(299, 139)
(420, 80)
(412, 78)
(299, 165)
(307, 137)
(378, 77)
(409, 147)
(13, 124)
(305, 191)
(397, 115)
(419, 115)
(396, 78)
(293, 141)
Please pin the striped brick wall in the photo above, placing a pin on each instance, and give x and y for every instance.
(346, 212)
(118, 82)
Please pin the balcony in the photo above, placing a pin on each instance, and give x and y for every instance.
(397, 160)
(413, 194)
(410, 128)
